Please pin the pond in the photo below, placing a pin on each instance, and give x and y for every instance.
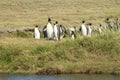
(57, 77)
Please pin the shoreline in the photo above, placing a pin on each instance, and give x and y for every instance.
(50, 71)
(53, 72)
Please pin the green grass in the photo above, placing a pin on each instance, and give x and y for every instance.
(98, 53)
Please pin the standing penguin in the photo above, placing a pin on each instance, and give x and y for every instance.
(36, 32)
(89, 29)
(100, 29)
(73, 35)
(56, 31)
(62, 32)
(83, 29)
(72, 29)
(107, 24)
(116, 24)
(49, 29)
(72, 32)
(45, 31)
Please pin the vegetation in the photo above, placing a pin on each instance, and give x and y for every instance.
(19, 13)
(19, 52)
(99, 53)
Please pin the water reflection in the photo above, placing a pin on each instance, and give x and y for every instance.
(58, 77)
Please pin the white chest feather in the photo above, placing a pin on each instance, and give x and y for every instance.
(84, 30)
(36, 33)
(49, 30)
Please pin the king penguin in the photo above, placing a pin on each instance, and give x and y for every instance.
(73, 35)
(49, 29)
(36, 32)
(83, 29)
(56, 31)
(100, 29)
(45, 31)
(89, 29)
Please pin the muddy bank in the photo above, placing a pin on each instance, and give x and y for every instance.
(49, 71)
(57, 71)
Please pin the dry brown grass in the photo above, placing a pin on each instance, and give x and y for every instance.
(17, 13)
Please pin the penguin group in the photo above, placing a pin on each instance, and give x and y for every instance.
(56, 31)
(86, 29)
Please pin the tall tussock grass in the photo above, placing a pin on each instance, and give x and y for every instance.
(65, 53)
(108, 43)
(8, 53)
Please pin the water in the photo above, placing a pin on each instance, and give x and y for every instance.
(58, 77)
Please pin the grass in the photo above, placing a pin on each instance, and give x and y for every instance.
(99, 53)
(21, 13)
(19, 52)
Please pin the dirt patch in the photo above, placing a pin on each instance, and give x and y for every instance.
(49, 71)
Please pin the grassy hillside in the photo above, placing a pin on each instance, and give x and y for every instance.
(99, 54)
(17, 13)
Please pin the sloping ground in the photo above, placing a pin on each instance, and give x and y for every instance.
(98, 54)
(17, 13)
(21, 53)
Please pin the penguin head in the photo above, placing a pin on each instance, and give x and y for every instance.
(83, 21)
(60, 25)
(49, 19)
(56, 22)
(100, 25)
(107, 19)
(90, 24)
(72, 33)
(36, 26)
